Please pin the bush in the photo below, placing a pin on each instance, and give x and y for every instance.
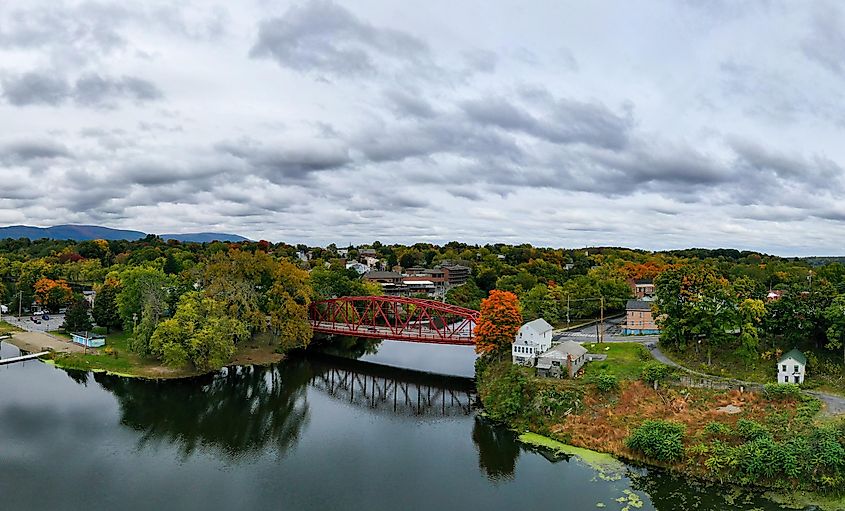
(505, 394)
(643, 353)
(782, 390)
(654, 371)
(751, 430)
(659, 440)
(606, 382)
(550, 400)
(717, 429)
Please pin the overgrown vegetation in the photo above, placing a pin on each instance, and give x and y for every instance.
(658, 440)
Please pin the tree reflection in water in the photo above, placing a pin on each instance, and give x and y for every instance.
(236, 412)
(498, 450)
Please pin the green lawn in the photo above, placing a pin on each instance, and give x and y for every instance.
(114, 357)
(624, 359)
(6, 328)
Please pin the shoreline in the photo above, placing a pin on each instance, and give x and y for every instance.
(78, 361)
(611, 466)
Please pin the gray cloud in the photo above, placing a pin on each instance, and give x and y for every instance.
(287, 164)
(90, 90)
(324, 37)
(35, 88)
(23, 151)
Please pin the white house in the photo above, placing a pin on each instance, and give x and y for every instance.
(532, 339)
(792, 367)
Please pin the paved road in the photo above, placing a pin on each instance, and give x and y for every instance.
(612, 333)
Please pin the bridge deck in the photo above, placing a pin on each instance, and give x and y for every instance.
(385, 332)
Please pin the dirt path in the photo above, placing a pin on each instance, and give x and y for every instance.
(40, 341)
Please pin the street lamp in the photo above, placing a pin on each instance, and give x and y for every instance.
(134, 321)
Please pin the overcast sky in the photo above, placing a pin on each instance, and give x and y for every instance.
(643, 124)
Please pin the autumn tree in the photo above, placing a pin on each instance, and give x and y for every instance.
(498, 322)
(52, 294)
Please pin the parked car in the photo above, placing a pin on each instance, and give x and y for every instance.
(46, 317)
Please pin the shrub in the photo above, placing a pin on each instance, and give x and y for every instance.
(606, 382)
(782, 390)
(654, 371)
(717, 429)
(550, 400)
(659, 440)
(505, 395)
(643, 353)
(751, 430)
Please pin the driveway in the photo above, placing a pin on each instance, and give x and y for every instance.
(612, 333)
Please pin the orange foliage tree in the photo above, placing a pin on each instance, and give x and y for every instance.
(498, 322)
(52, 294)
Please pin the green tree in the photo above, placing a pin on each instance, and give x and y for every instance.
(751, 312)
(200, 333)
(468, 295)
(77, 318)
(835, 315)
(105, 309)
(142, 302)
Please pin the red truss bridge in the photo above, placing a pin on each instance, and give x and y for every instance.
(393, 317)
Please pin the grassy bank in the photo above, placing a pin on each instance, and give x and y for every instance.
(771, 439)
(825, 371)
(116, 358)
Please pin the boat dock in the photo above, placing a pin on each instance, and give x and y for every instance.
(4, 361)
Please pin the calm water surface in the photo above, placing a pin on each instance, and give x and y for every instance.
(315, 432)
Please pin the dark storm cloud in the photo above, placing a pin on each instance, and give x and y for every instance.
(818, 172)
(324, 37)
(287, 164)
(91, 89)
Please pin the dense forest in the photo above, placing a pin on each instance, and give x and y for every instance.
(192, 303)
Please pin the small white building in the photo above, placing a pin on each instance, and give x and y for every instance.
(792, 367)
(532, 339)
(565, 359)
(360, 268)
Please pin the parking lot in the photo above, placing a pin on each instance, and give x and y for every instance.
(25, 323)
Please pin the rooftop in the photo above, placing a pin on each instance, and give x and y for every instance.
(566, 348)
(794, 354)
(638, 305)
(539, 325)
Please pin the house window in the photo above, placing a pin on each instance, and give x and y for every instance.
(784, 367)
(796, 369)
(786, 379)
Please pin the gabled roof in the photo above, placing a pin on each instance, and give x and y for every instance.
(795, 355)
(539, 325)
(566, 348)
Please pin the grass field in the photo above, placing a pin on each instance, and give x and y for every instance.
(624, 359)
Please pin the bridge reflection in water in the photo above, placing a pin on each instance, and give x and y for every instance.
(395, 391)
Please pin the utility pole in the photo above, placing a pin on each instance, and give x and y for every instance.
(601, 321)
(20, 304)
(567, 311)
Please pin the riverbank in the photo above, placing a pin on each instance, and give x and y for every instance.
(772, 441)
(116, 357)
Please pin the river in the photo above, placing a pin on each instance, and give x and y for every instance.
(314, 432)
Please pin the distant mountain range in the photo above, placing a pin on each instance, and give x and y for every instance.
(96, 232)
